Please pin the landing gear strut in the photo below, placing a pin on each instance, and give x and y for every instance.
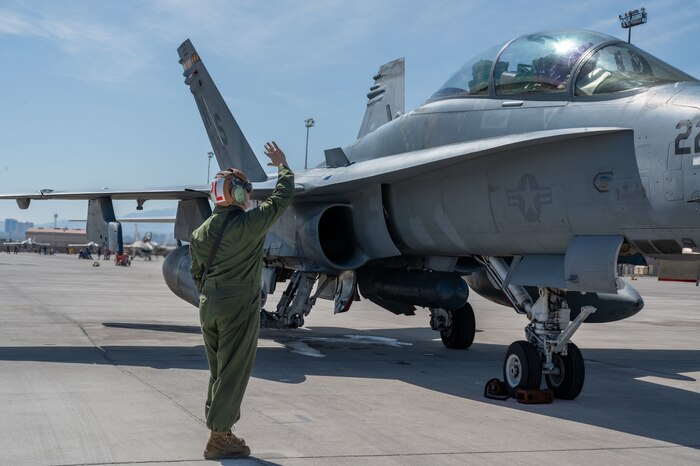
(295, 304)
(297, 300)
(548, 350)
(457, 328)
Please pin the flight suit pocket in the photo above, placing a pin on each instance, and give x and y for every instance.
(230, 302)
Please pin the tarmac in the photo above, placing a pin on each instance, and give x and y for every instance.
(103, 365)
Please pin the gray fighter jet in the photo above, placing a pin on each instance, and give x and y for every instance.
(146, 247)
(28, 243)
(531, 172)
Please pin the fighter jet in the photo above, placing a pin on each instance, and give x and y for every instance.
(530, 172)
(28, 243)
(146, 248)
(90, 245)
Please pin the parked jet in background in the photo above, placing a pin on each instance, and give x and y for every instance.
(536, 165)
(90, 245)
(28, 243)
(147, 248)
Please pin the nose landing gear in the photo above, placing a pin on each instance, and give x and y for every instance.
(548, 350)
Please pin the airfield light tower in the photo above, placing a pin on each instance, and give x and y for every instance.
(309, 122)
(210, 155)
(631, 19)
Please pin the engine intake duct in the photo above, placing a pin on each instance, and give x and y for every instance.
(327, 236)
(426, 289)
(336, 235)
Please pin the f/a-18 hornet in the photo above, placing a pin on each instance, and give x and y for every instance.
(526, 176)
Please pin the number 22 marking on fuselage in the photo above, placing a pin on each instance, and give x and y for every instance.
(688, 125)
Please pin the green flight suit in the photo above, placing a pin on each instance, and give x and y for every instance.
(229, 303)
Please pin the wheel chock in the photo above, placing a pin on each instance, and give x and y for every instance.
(497, 390)
(534, 396)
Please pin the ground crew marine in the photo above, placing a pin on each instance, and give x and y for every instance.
(229, 306)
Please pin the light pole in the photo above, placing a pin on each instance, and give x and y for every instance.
(210, 155)
(309, 122)
(631, 19)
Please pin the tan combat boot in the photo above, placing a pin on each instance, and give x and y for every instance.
(221, 446)
(234, 438)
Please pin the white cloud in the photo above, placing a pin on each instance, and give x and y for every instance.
(93, 51)
(12, 23)
(111, 42)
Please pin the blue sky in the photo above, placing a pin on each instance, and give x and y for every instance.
(93, 96)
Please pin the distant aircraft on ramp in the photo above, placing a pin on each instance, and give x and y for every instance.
(28, 243)
(146, 247)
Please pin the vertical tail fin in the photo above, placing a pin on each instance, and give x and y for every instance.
(227, 139)
(386, 96)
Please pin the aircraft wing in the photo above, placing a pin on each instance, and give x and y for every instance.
(316, 181)
(181, 193)
(135, 220)
(398, 167)
(84, 245)
(260, 191)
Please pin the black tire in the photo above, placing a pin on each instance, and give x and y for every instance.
(568, 384)
(461, 334)
(522, 367)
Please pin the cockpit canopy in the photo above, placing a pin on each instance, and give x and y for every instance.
(545, 62)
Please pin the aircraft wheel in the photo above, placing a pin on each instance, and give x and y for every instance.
(522, 367)
(568, 383)
(461, 334)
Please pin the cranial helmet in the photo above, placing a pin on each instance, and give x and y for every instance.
(229, 187)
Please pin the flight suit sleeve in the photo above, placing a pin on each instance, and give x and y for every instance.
(196, 269)
(261, 218)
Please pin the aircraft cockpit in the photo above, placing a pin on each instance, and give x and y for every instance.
(545, 64)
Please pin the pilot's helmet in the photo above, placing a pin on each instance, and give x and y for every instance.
(563, 63)
(229, 187)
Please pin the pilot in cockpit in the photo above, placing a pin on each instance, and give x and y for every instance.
(563, 64)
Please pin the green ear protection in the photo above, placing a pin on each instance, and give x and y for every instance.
(238, 193)
(239, 188)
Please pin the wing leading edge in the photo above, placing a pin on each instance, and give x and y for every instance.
(182, 193)
(260, 192)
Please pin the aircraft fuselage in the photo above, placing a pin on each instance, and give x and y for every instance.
(534, 201)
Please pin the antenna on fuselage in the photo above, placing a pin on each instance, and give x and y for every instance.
(631, 19)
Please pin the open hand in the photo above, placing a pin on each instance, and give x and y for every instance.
(276, 155)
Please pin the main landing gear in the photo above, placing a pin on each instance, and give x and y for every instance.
(457, 328)
(297, 300)
(547, 349)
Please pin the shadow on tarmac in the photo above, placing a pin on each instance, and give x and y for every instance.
(613, 398)
(155, 327)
